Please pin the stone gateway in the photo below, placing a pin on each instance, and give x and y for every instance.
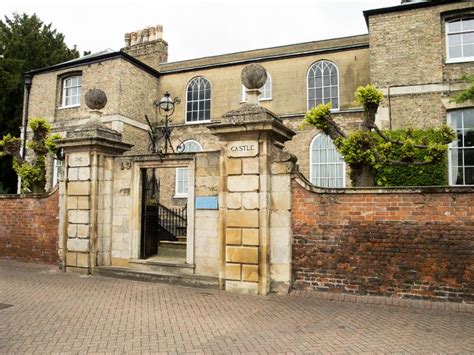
(251, 201)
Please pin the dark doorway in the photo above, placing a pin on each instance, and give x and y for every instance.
(159, 223)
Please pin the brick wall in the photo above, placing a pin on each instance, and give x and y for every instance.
(29, 227)
(392, 242)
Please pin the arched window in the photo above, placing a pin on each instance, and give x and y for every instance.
(198, 100)
(189, 146)
(266, 90)
(181, 189)
(460, 39)
(327, 168)
(323, 84)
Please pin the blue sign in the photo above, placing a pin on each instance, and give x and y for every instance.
(206, 203)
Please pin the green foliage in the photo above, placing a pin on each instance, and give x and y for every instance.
(26, 43)
(318, 116)
(39, 125)
(358, 148)
(369, 150)
(29, 174)
(50, 143)
(368, 96)
(467, 94)
(32, 174)
(416, 175)
(10, 145)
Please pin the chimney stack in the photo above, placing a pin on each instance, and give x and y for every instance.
(147, 45)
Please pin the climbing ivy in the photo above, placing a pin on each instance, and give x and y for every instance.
(433, 174)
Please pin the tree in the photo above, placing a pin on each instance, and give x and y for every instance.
(26, 43)
(368, 148)
(32, 174)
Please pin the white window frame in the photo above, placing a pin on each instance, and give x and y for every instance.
(447, 33)
(65, 89)
(267, 88)
(178, 193)
(57, 164)
(186, 102)
(194, 142)
(452, 146)
(311, 164)
(334, 109)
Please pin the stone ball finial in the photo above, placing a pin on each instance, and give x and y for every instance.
(253, 76)
(96, 99)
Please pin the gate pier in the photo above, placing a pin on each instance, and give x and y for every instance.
(255, 196)
(87, 172)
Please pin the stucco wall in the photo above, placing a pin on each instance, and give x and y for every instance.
(289, 83)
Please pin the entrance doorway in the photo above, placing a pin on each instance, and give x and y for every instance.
(163, 228)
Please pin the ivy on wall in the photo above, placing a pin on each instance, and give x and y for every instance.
(435, 174)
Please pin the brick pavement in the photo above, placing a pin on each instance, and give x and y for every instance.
(54, 312)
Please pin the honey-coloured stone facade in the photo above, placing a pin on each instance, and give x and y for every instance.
(408, 60)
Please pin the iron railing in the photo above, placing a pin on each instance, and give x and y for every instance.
(172, 222)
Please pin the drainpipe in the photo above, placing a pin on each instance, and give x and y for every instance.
(28, 81)
(26, 102)
(389, 109)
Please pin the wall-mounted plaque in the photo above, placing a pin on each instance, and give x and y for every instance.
(242, 149)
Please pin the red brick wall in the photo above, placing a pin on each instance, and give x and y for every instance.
(29, 227)
(399, 243)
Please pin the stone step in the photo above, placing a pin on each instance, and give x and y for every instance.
(167, 265)
(168, 252)
(208, 282)
(172, 249)
(182, 238)
(171, 244)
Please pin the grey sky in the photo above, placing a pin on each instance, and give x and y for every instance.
(199, 28)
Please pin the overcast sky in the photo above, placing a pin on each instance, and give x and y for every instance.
(196, 29)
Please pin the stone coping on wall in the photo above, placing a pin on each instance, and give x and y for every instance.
(26, 196)
(167, 157)
(303, 182)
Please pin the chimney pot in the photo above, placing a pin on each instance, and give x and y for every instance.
(133, 38)
(127, 39)
(146, 33)
(152, 36)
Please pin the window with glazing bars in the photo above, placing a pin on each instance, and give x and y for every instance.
(461, 151)
(460, 39)
(198, 100)
(327, 166)
(323, 84)
(72, 88)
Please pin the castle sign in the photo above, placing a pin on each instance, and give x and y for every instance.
(239, 149)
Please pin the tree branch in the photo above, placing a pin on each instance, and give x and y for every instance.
(388, 139)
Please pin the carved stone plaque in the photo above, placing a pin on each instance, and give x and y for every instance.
(239, 149)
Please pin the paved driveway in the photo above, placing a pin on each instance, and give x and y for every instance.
(53, 312)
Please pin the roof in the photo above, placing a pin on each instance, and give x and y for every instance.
(405, 6)
(104, 55)
(257, 55)
(272, 53)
